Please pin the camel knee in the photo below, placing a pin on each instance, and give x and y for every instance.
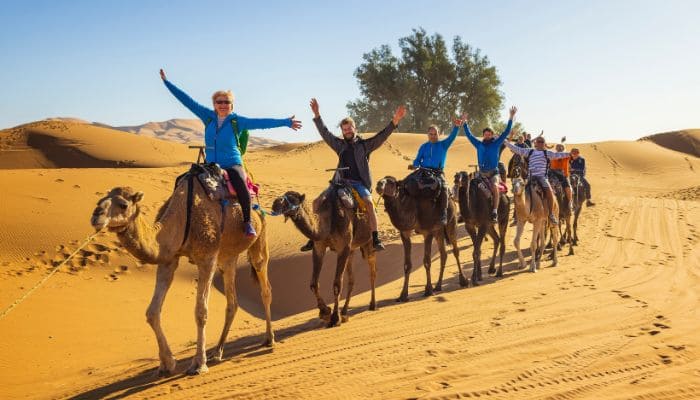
(200, 315)
(152, 316)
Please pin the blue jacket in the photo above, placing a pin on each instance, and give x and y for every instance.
(221, 143)
(488, 153)
(434, 155)
(578, 166)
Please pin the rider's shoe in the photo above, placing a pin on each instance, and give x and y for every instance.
(249, 230)
(494, 216)
(308, 246)
(553, 219)
(589, 203)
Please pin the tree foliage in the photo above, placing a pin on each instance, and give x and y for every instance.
(435, 84)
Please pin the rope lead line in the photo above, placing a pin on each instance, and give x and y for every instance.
(41, 282)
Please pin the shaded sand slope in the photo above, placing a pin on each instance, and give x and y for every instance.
(617, 320)
(686, 141)
(60, 144)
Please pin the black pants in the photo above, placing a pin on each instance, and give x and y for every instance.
(237, 176)
(586, 185)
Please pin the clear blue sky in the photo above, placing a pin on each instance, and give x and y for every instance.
(592, 70)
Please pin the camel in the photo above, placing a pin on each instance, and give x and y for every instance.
(475, 208)
(578, 192)
(209, 241)
(340, 229)
(564, 215)
(531, 207)
(403, 211)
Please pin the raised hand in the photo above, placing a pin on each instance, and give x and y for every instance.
(162, 74)
(465, 118)
(411, 167)
(296, 124)
(314, 107)
(513, 110)
(398, 115)
(458, 122)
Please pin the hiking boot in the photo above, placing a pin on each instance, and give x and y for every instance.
(378, 245)
(589, 203)
(494, 216)
(249, 230)
(308, 246)
(553, 219)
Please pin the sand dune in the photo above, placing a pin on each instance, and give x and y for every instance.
(686, 141)
(618, 320)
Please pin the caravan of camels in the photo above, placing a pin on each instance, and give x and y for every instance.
(209, 217)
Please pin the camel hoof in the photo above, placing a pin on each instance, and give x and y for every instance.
(268, 342)
(324, 314)
(373, 306)
(474, 282)
(428, 292)
(197, 369)
(463, 282)
(166, 367)
(492, 270)
(571, 252)
(438, 288)
(499, 274)
(334, 321)
(344, 318)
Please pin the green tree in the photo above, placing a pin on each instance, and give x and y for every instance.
(435, 84)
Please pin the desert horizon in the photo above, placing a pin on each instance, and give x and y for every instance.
(615, 320)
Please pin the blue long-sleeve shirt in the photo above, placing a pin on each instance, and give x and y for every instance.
(488, 153)
(221, 143)
(578, 165)
(434, 155)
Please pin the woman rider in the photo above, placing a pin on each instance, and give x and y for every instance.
(221, 128)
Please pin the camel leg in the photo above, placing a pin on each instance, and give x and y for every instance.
(206, 274)
(534, 247)
(496, 243)
(427, 246)
(259, 256)
(324, 312)
(351, 284)
(440, 238)
(452, 238)
(229, 275)
(569, 236)
(406, 240)
(164, 277)
(471, 230)
(338, 285)
(575, 230)
(519, 228)
(555, 232)
(371, 256)
(503, 227)
(476, 274)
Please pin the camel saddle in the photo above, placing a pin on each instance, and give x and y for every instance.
(215, 181)
(485, 185)
(425, 183)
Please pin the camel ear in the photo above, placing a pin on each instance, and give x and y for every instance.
(137, 197)
(301, 199)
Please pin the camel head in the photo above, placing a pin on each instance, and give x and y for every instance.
(388, 187)
(288, 204)
(116, 210)
(518, 186)
(461, 180)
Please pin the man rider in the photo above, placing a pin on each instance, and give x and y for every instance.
(578, 167)
(353, 157)
(488, 153)
(559, 168)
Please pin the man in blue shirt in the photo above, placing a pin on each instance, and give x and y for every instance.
(488, 153)
(433, 155)
(577, 165)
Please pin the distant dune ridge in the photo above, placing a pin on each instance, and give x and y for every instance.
(685, 141)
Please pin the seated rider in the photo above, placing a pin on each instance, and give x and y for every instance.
(578, 167)
(488, 152)
(353, 156)
(538, 164)
(222, 128)
(560, 169)
(433, 155)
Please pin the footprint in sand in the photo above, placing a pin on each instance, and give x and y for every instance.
(59, 180)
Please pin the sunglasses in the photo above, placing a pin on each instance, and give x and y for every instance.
(223, 102)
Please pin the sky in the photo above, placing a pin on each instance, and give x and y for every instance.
(590, 70)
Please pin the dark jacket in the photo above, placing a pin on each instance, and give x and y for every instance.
(362, 147)
(578, 166)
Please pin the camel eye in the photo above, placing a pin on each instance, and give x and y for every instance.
(123, 206)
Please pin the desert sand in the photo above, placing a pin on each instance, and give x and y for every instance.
(617, 320)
